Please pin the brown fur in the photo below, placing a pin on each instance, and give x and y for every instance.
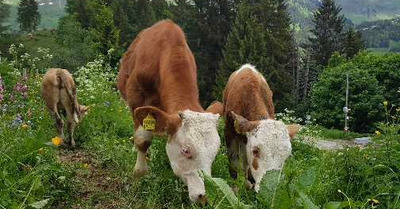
(247, 97)
(59, 93)
(158, 76)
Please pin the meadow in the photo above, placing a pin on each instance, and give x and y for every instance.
(36, 173)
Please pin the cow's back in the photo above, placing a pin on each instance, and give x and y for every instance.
(248, 94)
(143, 57)
(159, 65)
(54, 83)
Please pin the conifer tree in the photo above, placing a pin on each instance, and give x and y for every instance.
(245, 44)
(144, 14)
(4, 13)
(327, 35)
(28, 15)
(353, 43)
(213, 21)
(161, 9)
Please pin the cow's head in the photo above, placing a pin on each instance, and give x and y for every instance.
(268, 146)
(80, 112)
(192, 145)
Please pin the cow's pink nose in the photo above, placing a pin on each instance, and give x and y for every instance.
(202, 199)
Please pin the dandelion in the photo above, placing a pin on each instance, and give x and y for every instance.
(385, 103)
(378, 133)
(57, 141)
(24, 126)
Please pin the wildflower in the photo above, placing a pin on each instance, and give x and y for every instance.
(57, 141)
(385, 103)
(86, 165)
(378, 133)
(24, 126)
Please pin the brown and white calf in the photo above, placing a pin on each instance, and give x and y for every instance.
(256, 142)
(157, 77)
(59, 93)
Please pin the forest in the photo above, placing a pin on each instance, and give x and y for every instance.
(346, 155)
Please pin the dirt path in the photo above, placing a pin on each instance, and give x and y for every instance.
(336, 144)
(93, 185)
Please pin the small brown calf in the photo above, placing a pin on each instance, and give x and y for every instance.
(59, 93)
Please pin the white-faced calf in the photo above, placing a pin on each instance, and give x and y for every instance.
(59, 94)
(157, 78)
(256, 142)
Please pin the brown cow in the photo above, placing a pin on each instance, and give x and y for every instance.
(59, 93)
(157, 77)
(252, 135)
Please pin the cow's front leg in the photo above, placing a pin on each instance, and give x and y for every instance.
(142, 140)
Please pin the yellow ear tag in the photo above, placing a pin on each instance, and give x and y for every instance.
(149, 123)
(236, 125)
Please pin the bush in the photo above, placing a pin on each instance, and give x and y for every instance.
(365, 98)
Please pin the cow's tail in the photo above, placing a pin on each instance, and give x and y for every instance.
(71, 91)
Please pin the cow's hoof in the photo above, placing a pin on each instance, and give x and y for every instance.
(140, 171)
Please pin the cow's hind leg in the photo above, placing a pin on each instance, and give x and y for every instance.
(142, 140)
(59, 122)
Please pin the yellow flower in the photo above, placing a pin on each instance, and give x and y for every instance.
(86, 165)
(385, 103)
(24, 126)
(378, 133)
(57, 141)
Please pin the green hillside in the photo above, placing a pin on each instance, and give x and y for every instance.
(50, 11)
(360, 11)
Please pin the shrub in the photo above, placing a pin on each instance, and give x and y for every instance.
(365, 98)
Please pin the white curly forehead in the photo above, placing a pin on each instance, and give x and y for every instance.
(191, 117)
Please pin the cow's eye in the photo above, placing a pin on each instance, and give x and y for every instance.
(186, 152)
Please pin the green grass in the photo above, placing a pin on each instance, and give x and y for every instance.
(98, 174)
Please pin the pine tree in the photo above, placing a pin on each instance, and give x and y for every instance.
(161, 9)
(328, 32)
(213, 21)
(82, 11)
(276, 23)
(353, 43)
(245, 44)
(28, 15)
(4, 13)
(144, 14)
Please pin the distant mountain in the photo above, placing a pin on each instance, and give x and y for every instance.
(359, 11)
(355, 11)
(50, 11)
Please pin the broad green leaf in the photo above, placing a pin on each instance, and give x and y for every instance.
(306, 201)
(227, 193)
(269, 186)
(40, 204)
(333, 205)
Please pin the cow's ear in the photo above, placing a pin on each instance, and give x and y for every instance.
(293, 129)
(164, 123)
(242, 125)
(216, 108)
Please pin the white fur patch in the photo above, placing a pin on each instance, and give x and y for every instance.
(250, 67)
(272, 140)
(199, 135)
